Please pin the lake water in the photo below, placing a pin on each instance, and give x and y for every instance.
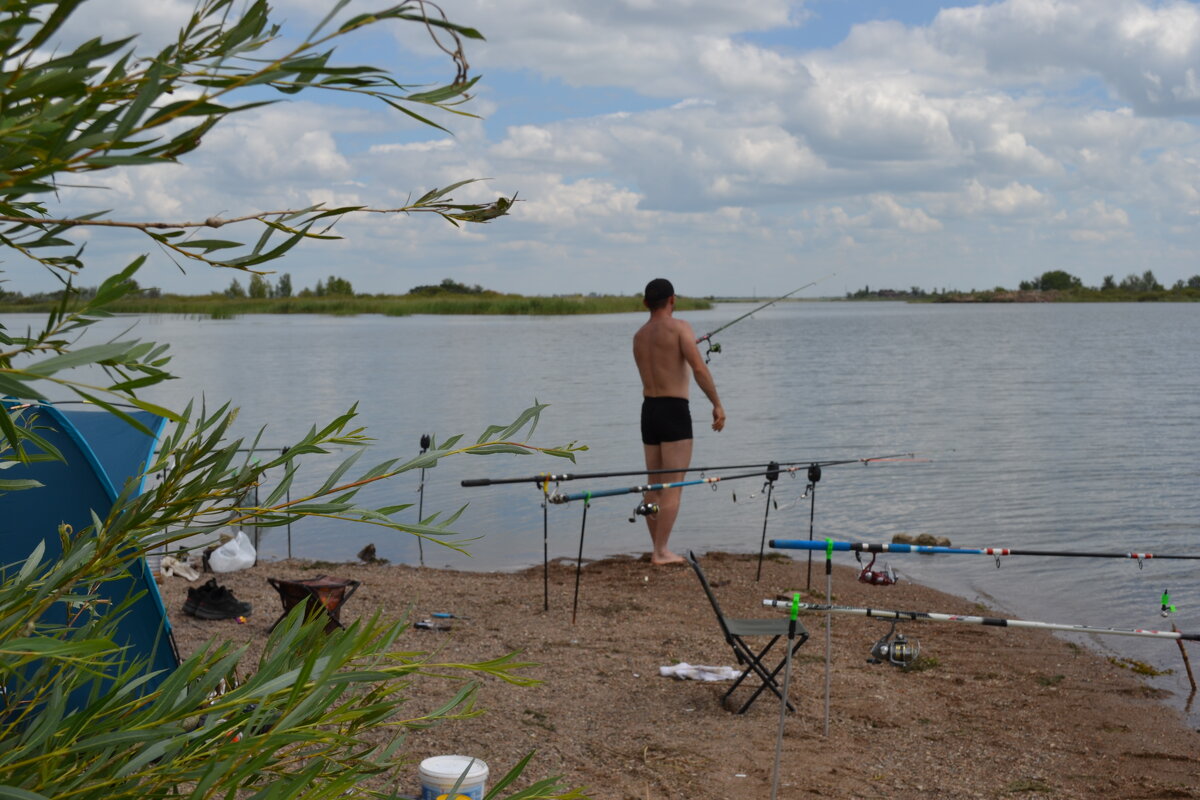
(1040, 426)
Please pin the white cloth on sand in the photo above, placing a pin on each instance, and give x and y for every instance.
(697, 672)
(172, 566)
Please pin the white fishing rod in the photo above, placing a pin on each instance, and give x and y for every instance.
(1000, 622)
(783, 702)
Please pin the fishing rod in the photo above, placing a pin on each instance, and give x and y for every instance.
(551, 477)
(976, 620)
(715, 347)
(995, 552)
(560, 498)
(793, 623)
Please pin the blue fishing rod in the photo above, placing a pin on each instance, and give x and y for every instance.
(995, 552)
(715, 347)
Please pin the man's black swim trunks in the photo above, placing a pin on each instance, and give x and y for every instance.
(665, 419)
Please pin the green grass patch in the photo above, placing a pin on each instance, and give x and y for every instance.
(923, 664)
(1022, 785)
(1140, 667)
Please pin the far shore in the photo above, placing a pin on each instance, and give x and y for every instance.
(487, 303)
(491, 303)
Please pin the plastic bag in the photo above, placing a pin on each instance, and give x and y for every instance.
(235, 554)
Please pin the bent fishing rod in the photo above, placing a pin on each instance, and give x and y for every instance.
(977, 620)
(792, 466)
(715, 347)
(995, 552)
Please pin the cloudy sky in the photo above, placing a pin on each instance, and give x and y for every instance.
(736, 148)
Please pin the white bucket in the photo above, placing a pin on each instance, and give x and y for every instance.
(440, 773)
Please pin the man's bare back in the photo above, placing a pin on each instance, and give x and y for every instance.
(658, 349)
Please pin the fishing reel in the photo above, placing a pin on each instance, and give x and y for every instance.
(644, 510)
(895, 649)
(713, 347)
(876, 577)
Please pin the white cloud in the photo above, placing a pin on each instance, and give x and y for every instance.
(1096, 222)
(662, 48)
(1144, 51)
(890, 213)
(1013, 199)
(581, 203)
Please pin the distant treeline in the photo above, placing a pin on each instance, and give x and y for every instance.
(1049, 287)
(336, 295)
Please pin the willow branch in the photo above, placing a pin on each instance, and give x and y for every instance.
(259, 216)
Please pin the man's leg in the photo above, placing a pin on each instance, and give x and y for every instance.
(668, 455)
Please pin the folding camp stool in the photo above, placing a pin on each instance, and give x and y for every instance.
(321, 594)
(736, 631)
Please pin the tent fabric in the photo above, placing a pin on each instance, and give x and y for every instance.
(101, 453)
(120, 448)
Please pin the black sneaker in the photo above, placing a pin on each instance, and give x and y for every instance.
(221, 604)
(222, 595)
(196, 594)
(212, 601)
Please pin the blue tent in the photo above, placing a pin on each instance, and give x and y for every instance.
(101, 453)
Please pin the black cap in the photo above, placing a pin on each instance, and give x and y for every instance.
(658, 290)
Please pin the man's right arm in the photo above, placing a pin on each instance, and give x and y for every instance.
(704, 378)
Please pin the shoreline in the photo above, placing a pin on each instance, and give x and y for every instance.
(993, 712)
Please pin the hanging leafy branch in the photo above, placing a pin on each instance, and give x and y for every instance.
(78, 113)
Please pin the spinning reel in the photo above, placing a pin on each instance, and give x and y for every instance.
(644, 509)
(876, 577)
(898, 651)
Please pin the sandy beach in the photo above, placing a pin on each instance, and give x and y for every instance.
(990, 713)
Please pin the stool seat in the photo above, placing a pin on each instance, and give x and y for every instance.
(320, 595)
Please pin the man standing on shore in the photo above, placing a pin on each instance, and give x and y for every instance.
(664, 349)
